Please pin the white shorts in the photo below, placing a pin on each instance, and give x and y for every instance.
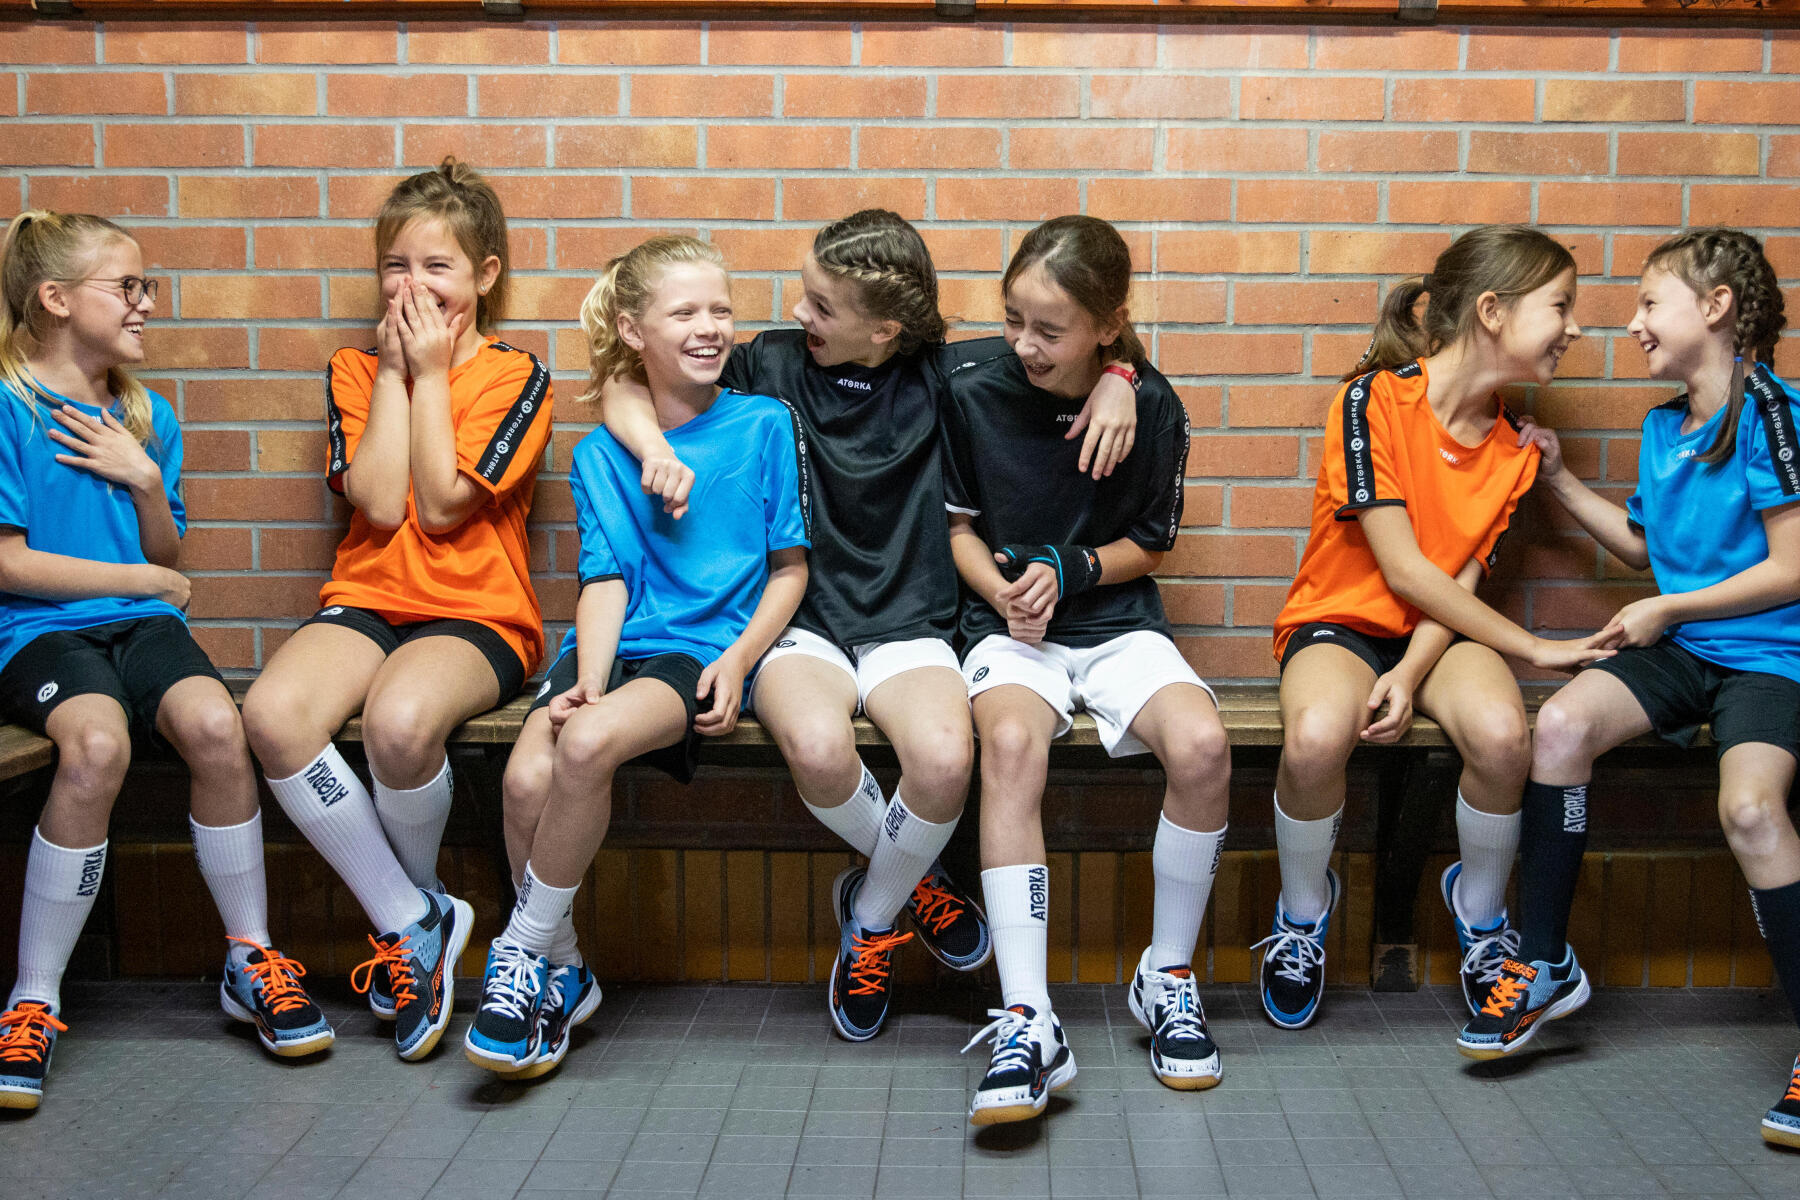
(1112, 681)
(875, 662)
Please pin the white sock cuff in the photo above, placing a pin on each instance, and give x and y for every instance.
(1281, 815)
(913, 833)
(232, 849)
(39, 840)
(64, 872)
(422, 801)
(1190, 855)
(1497, 828)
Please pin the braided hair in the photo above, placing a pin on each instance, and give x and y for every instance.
(1705, 259)
(885, 257)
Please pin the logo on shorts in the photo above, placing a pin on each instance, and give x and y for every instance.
(333, 611)
(896, 817)
(1038, 884)
(786, 644)
(47, 691)
(1318, 633)
(325, 784)
(980, 674)
(91, 869)
(1575, 809)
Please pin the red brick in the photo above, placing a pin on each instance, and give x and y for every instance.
(215, 549)
(548, 297)
(1232, 554)
(41, 144)
(1194, 603)
(1692, 154)
(1560, 153)
(1231, 150)
(933, 45)
(308, 349)
(183, 42)
(1385, 49)
(135, 92)
(1690, 51)
(1594, 100)
(763, 249)
(965, 249)
(970, 301)
(1382, 151)
(1719, 102)
(183, 345)
(1609, 203)
(259, 197)
(252, 297)
(539, 94)
(1574, 407)
(230, 647)
(216, 450)
(1456, 202)
(340, 43)
(1229, 354)
(55, 43)
(591, 249)
(114, 195)
(1220, 657)
(631, 43)
(1306, 200)
(1270, 455)
(627, 146)
(851, 96)
(184, 145)
(1035, 199)
(1301, 302)
(9, 95)
(327, 146)
(435, 95)
(1755, 205)
(1257, 603)
(262, 596)
(1146, 97)
(314, 247)
(190, 247)
(755, 44)
(262, 92)
(1335, 353)
(1159, 199)
(702, 95)
(1785, 52)
(1464, 100)
(1586, 359)
(258, 399)
(1589, 250)
(353, 297)
(490, 146)
(1540, 50)
(1177, 302)
(936, 148)
(661, 198)
(1271, 507)
(1235, 47)
(1227, 252)
(1275, 406)
(1106, 148)
(1310, 98)
(1015, 96)
(1605, 304)
(815, 199)
(486, 43)
(1784, 155)
(300, 549)
(552, 196)
(10, 198)
(1108, 46)
(1202, 504)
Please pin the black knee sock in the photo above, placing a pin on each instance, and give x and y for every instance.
(1551, 842)
(1778, 916)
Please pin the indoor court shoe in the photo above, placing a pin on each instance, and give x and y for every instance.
(1166, 1002)
(1483, 950)
(571, 996)
(421, 967)
(1031, 1059)
(1293, 964)
(264, 990)
(1524, 997)
(381, 994)
(27, 1037)
(505, 1033)
(1781, 1124)
(950, 922)
(862, 979)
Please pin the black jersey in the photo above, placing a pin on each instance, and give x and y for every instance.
(1009, 466)
(880, 567)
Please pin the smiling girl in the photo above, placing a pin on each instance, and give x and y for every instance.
(94, 645)
(434, 439)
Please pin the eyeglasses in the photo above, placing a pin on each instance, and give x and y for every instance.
(133, 287)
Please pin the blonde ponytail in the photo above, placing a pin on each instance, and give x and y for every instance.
(626, 287)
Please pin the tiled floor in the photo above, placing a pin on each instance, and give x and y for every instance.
(742, 1092)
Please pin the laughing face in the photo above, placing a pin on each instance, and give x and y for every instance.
(685, 333)
(106, 330)
(1056, 339)
(1538, 327)
(1674, 325)
(425, 253)
(837, 329)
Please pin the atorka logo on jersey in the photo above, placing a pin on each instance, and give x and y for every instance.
(92, 867)
(325, 785)
(857, 385)
(1449, 457)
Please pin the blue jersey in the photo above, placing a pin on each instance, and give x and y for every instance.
(1704, 524)
(66, 510)
(691, 585)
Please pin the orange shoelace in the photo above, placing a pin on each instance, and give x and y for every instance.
(933, 906)
(1793, 1092)
(277, 973)
(27, 1033)
(870, 971)
(399, 968)
(1501, 997)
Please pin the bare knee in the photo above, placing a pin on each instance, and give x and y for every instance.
(1565, 738)
(91, 764)
(402, 742)
(210, 731)
(819, 749)
(1010, 746)
(937, 774)
(1500, 745)
(280, 733)
(524, 790)
(1315, 746)
(1753, 821)
(1197, 763)
(589, 749)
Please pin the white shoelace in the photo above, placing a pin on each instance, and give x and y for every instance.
(508, 989)
(1298, 953)
(1012, 1043)
(1178, 1013)
(1489, 954)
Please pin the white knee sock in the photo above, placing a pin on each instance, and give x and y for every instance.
(565, 948)
(904, 852)
(858, 819)
(330, 806)
(1018, 909)
(1488, 842)
(1184, 862)
(414, 821)
(541, 910)
(1304, 850)
(230, 858)
(61, 883)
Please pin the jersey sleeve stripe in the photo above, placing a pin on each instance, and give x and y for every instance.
(1359, 454)
(334, 436)
(802, 469)
(1182, 443)
(498, 456)
(1779, 428)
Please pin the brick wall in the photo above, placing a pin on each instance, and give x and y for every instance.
(1269, 180)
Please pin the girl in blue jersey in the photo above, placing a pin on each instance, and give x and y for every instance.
(93, 641)
(671, 617)
(1716, 517)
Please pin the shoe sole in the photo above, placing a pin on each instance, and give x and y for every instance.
(26, 1101)
(545, 1065)
(500, 1064)
(453, 950)
(1180, 1081)
(1005, 1114)
(1488, 1051)
(1780, 1135)
(296, 1049)
(831, 1004)
(381, 1014)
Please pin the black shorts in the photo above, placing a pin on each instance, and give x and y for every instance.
(135, 662)
(1679, 690)
(1382, 654)
(508, 670)
(680, 672)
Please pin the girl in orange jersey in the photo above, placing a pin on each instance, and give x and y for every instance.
(429, 617)
(1419, 476)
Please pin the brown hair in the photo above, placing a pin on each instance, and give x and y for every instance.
(42, 246)
(1085, 257)
(1705, 259)
(886, 258)
(456, 194)
(1508, 260)
(627, 286)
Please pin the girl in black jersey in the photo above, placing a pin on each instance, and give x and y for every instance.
(1060, 613)
(874, 629)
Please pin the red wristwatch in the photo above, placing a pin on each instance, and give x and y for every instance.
(1122, 371)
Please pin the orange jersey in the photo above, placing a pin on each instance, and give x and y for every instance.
(481, 570)
(1384, 445)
